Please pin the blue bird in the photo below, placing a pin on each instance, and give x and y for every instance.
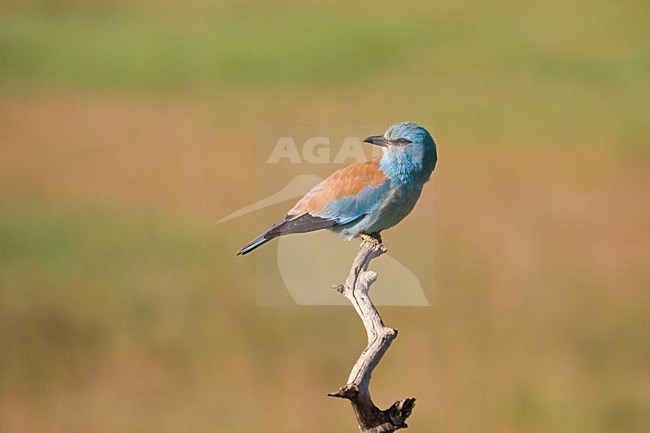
(368, 196)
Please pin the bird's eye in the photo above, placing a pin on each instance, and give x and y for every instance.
(402, 141)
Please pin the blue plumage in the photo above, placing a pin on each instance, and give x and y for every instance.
(347, 209)
(368, 196)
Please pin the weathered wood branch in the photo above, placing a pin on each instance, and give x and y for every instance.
(370, 418)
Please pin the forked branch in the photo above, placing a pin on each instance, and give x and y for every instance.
(370, 418)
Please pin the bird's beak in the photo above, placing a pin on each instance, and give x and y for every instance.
(377, 140)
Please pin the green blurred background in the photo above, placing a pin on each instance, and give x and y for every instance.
(128, 127)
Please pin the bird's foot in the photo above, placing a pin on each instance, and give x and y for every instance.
(373, 238)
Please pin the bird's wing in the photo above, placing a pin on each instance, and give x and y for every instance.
(346, 195)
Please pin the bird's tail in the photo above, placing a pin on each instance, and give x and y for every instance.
(271, 233)
(257, 242)
(297, 224)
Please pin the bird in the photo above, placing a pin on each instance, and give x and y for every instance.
(367, 196)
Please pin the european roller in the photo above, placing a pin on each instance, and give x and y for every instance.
(368, 196)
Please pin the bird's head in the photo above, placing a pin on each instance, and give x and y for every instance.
(409, 151)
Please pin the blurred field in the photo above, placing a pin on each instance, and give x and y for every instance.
(128, 128)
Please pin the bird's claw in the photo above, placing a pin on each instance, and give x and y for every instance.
(373, 238)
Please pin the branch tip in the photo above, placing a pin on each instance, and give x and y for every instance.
(349, 391)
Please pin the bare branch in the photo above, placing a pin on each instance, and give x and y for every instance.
(370, 418)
